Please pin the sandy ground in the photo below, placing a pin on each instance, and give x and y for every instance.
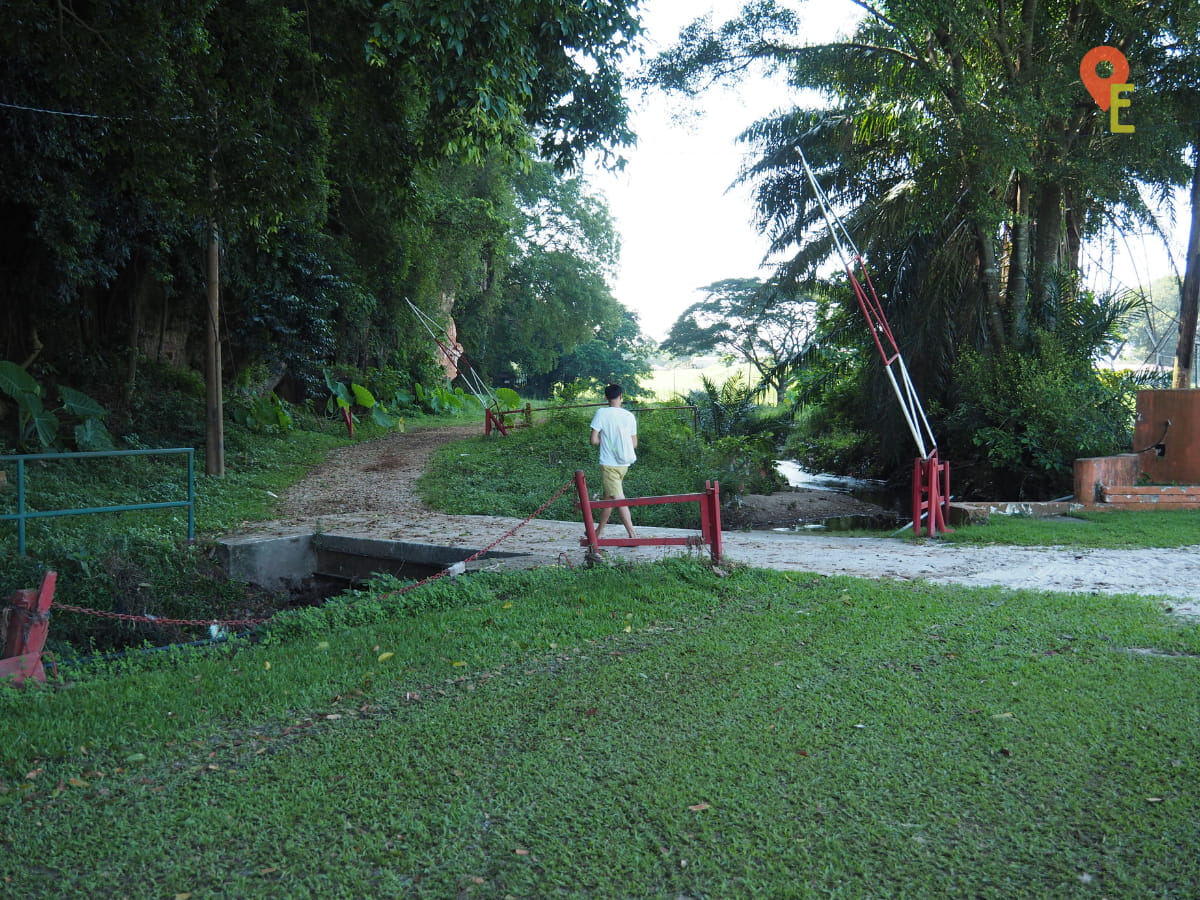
(367, 489)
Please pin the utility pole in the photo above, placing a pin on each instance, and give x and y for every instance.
(214, 415)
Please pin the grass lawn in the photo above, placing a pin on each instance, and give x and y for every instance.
(665, 383)
(659, 731)
(650, 732)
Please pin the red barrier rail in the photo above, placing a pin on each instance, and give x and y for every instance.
(28, 615)
(710, 519)
(494, 420)
(931, 495)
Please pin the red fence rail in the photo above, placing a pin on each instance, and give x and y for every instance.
(710, 519)
(931, 495)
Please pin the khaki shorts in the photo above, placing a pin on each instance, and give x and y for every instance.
(612, 480)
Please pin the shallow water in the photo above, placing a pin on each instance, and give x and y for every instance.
(879, 493)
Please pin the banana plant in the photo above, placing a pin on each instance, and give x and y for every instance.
(36, 422)
(344, 398)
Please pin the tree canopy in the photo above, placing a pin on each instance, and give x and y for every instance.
(744, 318)
(352, 155)
(960, 148)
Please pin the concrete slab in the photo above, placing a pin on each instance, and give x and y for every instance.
(1171, 573)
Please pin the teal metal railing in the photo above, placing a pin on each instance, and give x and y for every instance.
(22, 513)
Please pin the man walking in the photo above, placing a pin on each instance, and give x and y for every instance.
(614, 431)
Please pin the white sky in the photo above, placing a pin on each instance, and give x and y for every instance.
(682, 227)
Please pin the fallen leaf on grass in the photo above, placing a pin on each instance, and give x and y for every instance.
(699, 807)
(521, 851)
(384, 657)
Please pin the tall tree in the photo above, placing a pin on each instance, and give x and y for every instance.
(956, 141)
(554, 296)
(746, 319)
(349, 155)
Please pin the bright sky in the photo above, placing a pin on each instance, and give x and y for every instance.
(682, 226)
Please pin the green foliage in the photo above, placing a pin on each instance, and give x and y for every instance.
(268, 414)
(743, 436)
(34, 420)
(552, 67)
(349, 158)
(1026, 418)
(346, 397)
(441, 400)
(1010, 744)
(509, 399)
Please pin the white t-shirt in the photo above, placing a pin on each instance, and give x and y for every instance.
(617, 428)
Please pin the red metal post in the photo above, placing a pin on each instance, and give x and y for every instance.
(493, 420)
(585, 505)
(931, 494)
(712, 491)
(28, 623)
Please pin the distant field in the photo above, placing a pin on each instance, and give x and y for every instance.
(667, 382)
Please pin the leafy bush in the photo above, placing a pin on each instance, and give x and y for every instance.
(34, 420)
(1025, 417)
(743, 436)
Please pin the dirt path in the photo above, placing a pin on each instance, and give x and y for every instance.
(368, 489)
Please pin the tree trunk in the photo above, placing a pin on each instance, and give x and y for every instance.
(1189, 300)
(1048, 253)
(989, 284)
(1018, 264)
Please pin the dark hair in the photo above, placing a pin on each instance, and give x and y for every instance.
(612, 392)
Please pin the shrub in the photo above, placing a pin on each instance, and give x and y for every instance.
(1025, 417)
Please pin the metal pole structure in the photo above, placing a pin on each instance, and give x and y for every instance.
(931, 478)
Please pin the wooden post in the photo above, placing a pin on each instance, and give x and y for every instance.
(214, 462)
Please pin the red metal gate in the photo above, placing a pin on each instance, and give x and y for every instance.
(710, 519)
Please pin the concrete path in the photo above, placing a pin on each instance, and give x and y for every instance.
(1173, 575)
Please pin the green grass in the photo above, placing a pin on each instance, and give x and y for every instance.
(658, 731)
(515, 474)
(1125, 529)
(651, 732)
